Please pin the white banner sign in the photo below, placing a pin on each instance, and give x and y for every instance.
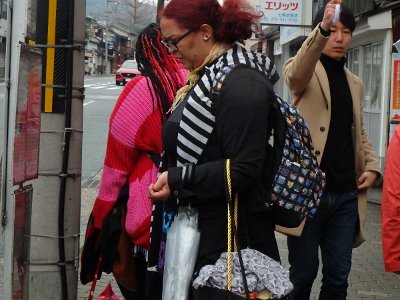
(282, 12)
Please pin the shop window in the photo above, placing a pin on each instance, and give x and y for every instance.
(372, 75)
(353, 61)
(366, 62)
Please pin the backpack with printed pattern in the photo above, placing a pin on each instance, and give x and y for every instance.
(296, 182)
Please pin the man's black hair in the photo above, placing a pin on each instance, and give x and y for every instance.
(346, 17)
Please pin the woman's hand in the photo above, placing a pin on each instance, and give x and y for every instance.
(159, 190)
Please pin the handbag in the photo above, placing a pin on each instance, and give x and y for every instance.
(237, 273)
(91, 254)
(117, 248)
(211, 292)
(109, 249)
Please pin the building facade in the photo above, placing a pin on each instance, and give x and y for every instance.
(107, 46)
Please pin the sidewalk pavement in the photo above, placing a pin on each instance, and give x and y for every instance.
(368, 279)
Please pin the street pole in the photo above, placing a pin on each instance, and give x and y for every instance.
(160, 6)
(43, 262)
(104, 71)
(108, 12)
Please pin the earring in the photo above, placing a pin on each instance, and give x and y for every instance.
(205, 38)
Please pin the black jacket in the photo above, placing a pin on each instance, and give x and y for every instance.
(240, 133)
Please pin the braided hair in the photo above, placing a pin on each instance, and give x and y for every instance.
(159, 66)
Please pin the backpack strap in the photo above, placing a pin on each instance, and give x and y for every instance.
(220, 78)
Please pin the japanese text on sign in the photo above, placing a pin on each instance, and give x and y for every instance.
(286, 12)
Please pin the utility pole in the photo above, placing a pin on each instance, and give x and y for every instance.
(106, 37)
(135, 7)
(160, 6)
(43, 155)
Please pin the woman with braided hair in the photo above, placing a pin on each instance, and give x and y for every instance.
(134, 133)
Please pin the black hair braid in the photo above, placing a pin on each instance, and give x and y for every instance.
(150, 63)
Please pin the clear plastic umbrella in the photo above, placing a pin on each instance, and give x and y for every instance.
(180, 254)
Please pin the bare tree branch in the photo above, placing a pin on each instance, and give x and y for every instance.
(132, 12)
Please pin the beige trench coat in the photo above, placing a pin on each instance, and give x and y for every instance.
(309, 87)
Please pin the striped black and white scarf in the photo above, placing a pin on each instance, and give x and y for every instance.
(198, 116)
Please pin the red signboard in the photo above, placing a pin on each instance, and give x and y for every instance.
(27, 125)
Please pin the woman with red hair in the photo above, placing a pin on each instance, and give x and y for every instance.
(204, 129)
(134, 133)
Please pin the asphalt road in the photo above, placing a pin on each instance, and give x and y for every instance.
(101, 94)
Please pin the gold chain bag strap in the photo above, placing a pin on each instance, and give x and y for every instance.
(222, 280)
(265, 294)
(232, 223)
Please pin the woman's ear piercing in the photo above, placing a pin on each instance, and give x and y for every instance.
(206, 38)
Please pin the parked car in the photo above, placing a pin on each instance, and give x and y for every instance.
(126, 72)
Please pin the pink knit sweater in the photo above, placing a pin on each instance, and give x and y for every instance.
(134, 129)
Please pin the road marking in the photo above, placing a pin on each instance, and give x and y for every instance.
(102, 85)
(99, 84)
(368, 293)
(86, 103)
(114, 88)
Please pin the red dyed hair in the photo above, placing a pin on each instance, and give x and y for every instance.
(231, 22)
(161, 67)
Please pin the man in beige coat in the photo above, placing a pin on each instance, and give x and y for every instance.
(330, 98)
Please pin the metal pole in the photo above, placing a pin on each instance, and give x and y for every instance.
(106, 37)
(160, 6)
(103, 71)
(41, 266)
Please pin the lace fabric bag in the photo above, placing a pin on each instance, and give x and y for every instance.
(242, 274)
